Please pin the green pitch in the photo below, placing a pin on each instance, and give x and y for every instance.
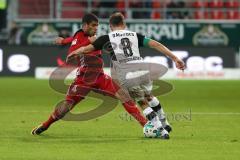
(205, 116)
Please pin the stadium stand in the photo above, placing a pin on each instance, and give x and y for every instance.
(136, 9)
(34, 9)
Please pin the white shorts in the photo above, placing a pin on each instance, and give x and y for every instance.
(137, 83)
(137, 77)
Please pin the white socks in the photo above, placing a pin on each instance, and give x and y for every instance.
(155, 103)
(151, 115)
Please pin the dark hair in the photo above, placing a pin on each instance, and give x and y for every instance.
(116, 19)
(88, 18)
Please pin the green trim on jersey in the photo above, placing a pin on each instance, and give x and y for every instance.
(145, 42)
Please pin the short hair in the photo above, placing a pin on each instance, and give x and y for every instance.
(116, 19)
(88, 18)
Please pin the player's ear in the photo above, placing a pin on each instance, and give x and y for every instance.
(111, 27)
(125, 26)
(84, 25)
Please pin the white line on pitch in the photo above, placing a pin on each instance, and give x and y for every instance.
(213, 113)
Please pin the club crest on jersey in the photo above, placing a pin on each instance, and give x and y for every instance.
(74, 42)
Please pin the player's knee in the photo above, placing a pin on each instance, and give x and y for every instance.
(123, 95)
(149, 97)
(142, 102)
(71, 101)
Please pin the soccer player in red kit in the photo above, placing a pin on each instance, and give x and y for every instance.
(90, 76)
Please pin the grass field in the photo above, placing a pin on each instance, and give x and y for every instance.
(205, 116)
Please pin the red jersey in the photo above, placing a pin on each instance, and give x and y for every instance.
(89, 62)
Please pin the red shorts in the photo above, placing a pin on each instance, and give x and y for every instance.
(83, 84)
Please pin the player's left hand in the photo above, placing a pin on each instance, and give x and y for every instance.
(58, 41)
(179, 64)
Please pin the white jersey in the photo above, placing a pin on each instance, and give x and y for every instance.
(125, 46)
(127, 68)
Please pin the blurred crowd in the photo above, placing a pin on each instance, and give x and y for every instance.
(133, 9)
(138, 9)
(171, 9)
(157, 9)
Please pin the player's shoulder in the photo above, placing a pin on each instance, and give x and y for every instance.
(80, 31)
(140, 34)
(105, 35)
(101, 41)
(131, 31)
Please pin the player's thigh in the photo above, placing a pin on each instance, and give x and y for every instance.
(139, 92)
(77, 91)
(105, 85)
(147, 88)
(136, 93)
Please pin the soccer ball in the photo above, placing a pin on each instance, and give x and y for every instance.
(150, 131)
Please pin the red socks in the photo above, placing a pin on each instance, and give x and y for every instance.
(50, 120)
(60, 111)
(132, 109)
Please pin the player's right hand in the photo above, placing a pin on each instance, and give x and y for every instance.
(58, 41)
(179, 64)
(74, 54)
(71, 57)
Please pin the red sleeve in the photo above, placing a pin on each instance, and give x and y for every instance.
(67, 40)
(81, 41)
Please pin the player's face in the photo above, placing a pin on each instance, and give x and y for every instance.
(92, 28)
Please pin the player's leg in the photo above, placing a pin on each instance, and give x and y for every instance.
(74, 95)
(149, 113)
(138, 93)
(60, 111)
(109, 87)
(154, 103)
(130, 106)
(156, 106)
(153, 117)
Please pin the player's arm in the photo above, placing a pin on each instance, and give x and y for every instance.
(85, 49)
(97, 45)
(63, 41)
(82, 50)
(147, 42)
(163, 49)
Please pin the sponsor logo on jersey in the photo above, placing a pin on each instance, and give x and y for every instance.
(74, 42)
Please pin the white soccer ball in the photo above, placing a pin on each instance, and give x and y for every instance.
(150, 131)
